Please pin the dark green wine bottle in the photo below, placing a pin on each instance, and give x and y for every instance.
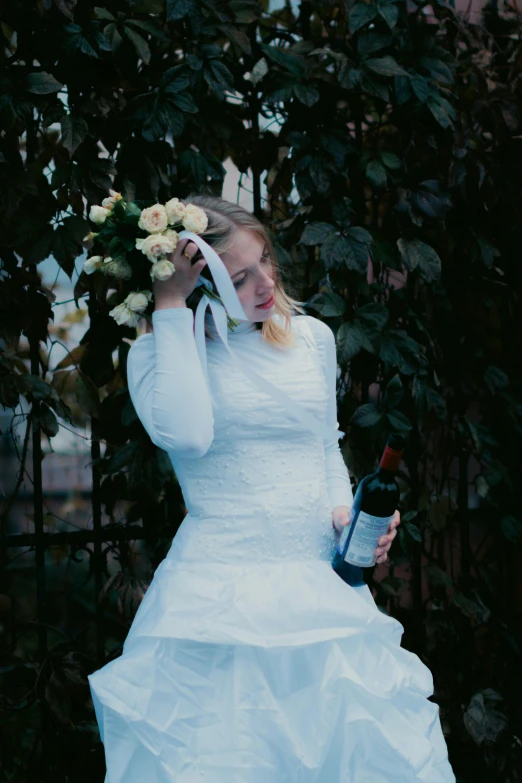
(373, 508)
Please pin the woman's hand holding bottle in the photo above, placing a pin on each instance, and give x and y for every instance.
(341, 516)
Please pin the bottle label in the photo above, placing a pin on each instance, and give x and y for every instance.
(365, 537)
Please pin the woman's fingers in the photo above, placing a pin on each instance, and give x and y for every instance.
(387, 538)
(340, 517)
(183, 249)
(385, 541)
(186, 273)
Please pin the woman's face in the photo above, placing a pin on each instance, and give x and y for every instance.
(249, 265)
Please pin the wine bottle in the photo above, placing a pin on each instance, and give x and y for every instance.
(373, 508)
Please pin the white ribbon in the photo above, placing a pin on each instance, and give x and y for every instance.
(233, 306)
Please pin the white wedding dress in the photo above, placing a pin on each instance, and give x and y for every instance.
(250, 660)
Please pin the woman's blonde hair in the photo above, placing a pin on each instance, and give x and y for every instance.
(225, 217)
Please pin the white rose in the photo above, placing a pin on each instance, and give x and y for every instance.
(195, 219)
(92, 264)
(154, 219)
(156, 246)
(108, 265)
(162, 270)
(172, 235)
(175, 210)
(138, 300)
(111, 200)
(124, 270)
(99, 214)
(123, 316)
(118, 267)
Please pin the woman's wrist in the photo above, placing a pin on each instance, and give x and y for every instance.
(165, 303)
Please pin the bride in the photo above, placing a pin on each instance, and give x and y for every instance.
(249, 660)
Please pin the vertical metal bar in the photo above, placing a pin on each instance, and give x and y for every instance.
(256, 174)
(34, 354)
(41, 602)
(462, 505)
(412, 453)
(96, 518)
(97, 545)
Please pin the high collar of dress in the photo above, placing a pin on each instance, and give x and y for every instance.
(242, 326)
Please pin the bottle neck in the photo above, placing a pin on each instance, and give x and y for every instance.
(390, 460)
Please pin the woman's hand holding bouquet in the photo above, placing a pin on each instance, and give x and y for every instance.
(137, 245)
(174, 291)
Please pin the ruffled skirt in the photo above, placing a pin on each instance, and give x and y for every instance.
(271, 673)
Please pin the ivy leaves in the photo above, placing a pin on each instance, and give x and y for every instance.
(348, 249)
(385, 417)
(137, 31)
(42, 83)
(423, 80)
(419, 255)
(361, 14)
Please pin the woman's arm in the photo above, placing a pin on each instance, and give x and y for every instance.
(338, 481)
(168, 387)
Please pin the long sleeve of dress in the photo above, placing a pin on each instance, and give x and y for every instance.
(337, 477)
(168, 387)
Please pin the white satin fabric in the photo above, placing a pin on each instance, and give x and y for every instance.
(250, 660)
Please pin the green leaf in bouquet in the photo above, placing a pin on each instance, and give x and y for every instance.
(105, 234)
(128, 242)
(118, 211)
(116, 247)
(131, 219)
(127, 235)
(133, 209)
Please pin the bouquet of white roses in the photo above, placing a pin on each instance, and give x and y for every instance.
(134, 243)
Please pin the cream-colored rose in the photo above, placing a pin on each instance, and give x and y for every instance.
(162, 270)
(110, 266)
(175, 210)
(124, 270)
(98, 214)
(118, 267)
(153, 219)
(111, 200)
(172, 235)
(194, 219)
(92, 264)
(123, 316)
(138, 300)
(90, 236)
(156, 246)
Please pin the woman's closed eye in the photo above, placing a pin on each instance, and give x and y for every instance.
(239, 283)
